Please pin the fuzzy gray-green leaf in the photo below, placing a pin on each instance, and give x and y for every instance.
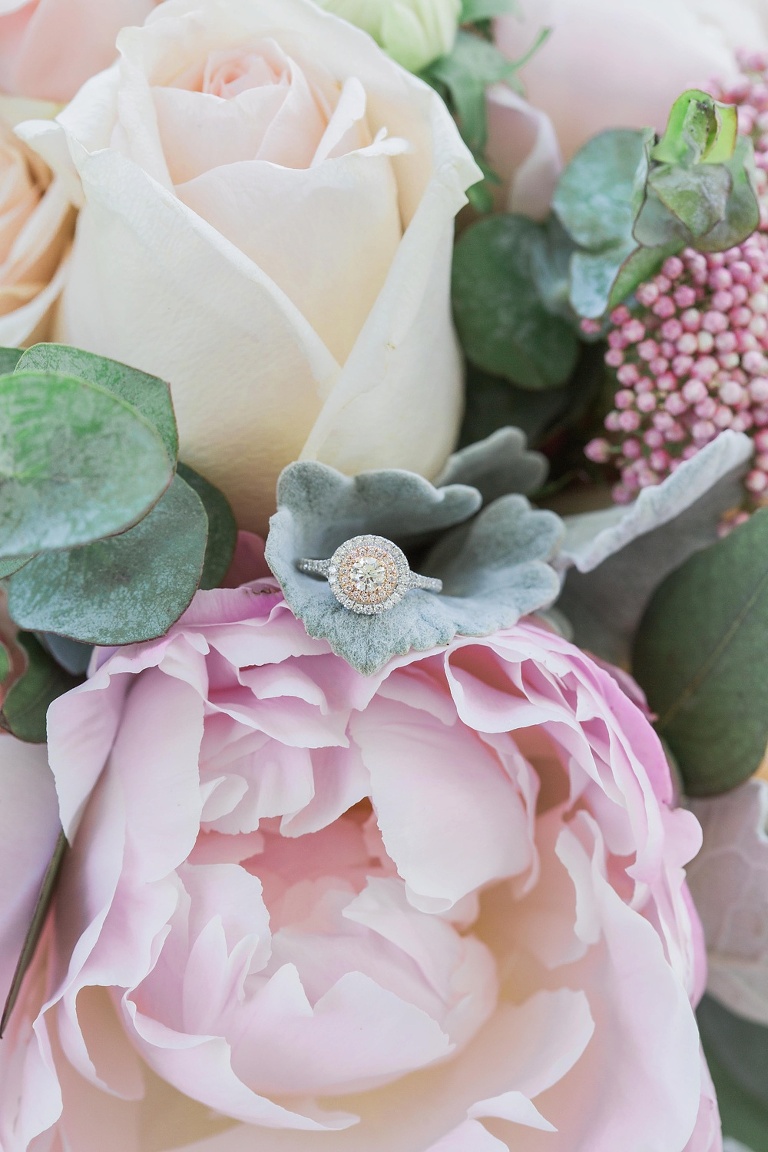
(613, 560)
(69, 452)
(128, 588)
(495, 569)
(496, 466)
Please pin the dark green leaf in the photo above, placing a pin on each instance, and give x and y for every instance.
(474, 10)
(76, 463)
(502, 322)
(594, 197)
(222, 527)
(642, 264)
(118, 591)
(463, 77)
(73, 656)
(34, 932)
(737, 1054)
(26, 704)
(147, 394)
(5, 663)
(702, 659)
(743, 209)
(8, 567)
(9, 358)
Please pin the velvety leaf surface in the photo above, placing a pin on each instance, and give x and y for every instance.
(613, 560)
(68, 463)
(496, 466)
(495, 569)
(128, 588)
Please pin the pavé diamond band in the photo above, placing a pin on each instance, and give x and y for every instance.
(369, 574)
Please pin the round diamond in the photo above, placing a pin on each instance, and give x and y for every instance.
(371, 574)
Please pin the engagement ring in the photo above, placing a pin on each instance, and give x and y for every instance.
(369, 574)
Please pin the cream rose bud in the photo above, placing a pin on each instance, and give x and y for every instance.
(609, 64)
(267, 223)
(413, 32)
(36, 221)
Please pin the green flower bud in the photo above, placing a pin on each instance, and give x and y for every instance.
(413, 32)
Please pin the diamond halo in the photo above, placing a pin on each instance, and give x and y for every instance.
(369, 574)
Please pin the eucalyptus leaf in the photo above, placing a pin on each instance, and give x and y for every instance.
(494, 570)
(222, 527)
(122, 590)
(147, 394)
(35, 930)
(594, 196)
(9, 358)
(503, 323)
(26, 703)
(740, 1046)
(497, 466)
(743, 210)
(593, 275)
(464, 75)
(700, 656)
(5, 663)
(68, 463)
(743, 1117)
(613, 560)
(73, 656)
(699, 128)
(642, 264)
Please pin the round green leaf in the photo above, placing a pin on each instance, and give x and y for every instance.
(121, 590)
(76, 463)
(149, 395)
(502, 320)
(701, 657)
(26, 705)
(222, 527)
(9, 358)
(594, 197)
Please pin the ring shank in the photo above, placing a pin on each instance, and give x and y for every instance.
(314, 567)
(428, 583)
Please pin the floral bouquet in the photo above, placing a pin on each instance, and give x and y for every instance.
(384, 576)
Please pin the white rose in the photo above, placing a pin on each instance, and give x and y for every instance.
(36, 222)
(622, 63)
(267, 223)
(413, 32)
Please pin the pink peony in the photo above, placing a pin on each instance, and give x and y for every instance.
(48, 48)
(439, 909)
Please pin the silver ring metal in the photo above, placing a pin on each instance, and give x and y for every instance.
(369, 574)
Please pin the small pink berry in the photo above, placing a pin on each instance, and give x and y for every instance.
(756, 481)
(614, 357)
(628, 375)
(672, 329)
(624, 398)
(598, 450)
(664, 307)
(629, 420)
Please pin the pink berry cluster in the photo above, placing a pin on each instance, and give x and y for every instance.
(690, 358)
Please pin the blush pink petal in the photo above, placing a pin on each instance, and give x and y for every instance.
(48, 48)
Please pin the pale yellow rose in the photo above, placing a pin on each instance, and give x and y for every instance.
(36, 223)
(267, 223)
